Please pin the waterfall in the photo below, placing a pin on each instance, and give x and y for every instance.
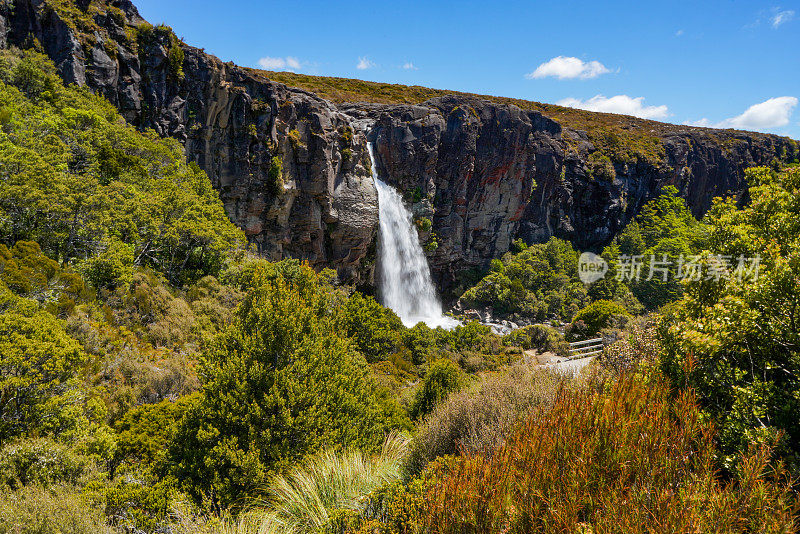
(404, 276)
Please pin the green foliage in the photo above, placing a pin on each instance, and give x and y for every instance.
(442, 378)
(420, 340)
(111, 269)
(539, 282)
(424, 224)
(37, 510)
(664, 227)
(375, 330)
(539, 337)
(598, 315)
(735, 340)
(137, 502)
(74, 177)
(175, 57)
(145, 432)
(278, 384)
(41, 462)
(29, 273)
(275, 174)
(38, 364)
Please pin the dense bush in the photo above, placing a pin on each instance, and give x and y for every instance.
(478, 419)
(736, 339)
(42, 462)
(278, 384)
(539, 282)
(596, 316)
(443, 377)
(61, 510)
(664, 227)
(39, 392)
(28, 272)
(76, 179)
(375, 330)
(623, 461)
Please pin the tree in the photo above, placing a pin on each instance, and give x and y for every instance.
(77, 179)
(442, 378)
(375, 330)
(278, 384)
(736, 339)
(664, 227)
(39, 363)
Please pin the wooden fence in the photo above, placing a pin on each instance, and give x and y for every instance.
(583, 349)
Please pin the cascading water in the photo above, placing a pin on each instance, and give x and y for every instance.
(404, 277)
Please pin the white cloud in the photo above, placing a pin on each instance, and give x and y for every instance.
(678, 33)
(622, 104)
(364, 63)
(782, 17)
(284, 63)
(772, 113)
(408, 66)
(567, 68)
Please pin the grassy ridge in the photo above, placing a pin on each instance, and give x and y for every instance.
(622, 137)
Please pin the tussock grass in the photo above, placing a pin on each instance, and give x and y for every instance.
(305, 499)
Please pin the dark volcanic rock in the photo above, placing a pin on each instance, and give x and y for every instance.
(292, 169)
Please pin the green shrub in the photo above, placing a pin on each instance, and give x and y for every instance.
(58, 510)
(421, 341)
(539, 337)
(278, 384)
(175, 57)
(375, 330)
(424, 224)
(111, 269)
(30, 273)
(599, 315)
(41, 462)
(39, 366)
(145, 432)
(442, 378)
(137, 501)
(275, 174)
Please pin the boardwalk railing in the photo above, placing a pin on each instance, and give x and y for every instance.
(582, 349)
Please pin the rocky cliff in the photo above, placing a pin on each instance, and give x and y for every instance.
(293, 170)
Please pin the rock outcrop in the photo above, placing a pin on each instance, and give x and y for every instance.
(293, 170)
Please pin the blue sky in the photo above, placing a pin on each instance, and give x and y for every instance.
(722, 63)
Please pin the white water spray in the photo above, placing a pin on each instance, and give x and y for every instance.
(405, 278)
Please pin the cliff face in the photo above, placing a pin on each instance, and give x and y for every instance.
(293, 171)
